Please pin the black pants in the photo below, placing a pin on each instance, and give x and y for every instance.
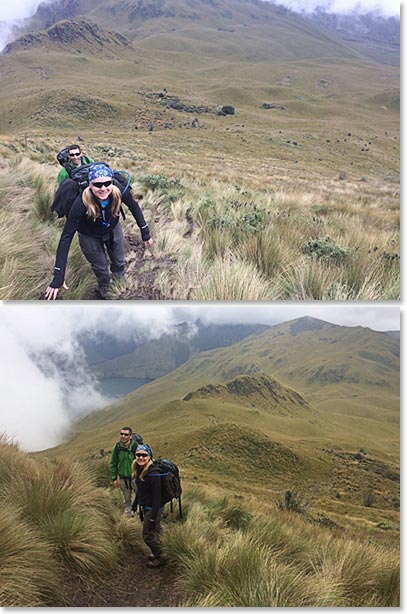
(152, 538)
(98, 252)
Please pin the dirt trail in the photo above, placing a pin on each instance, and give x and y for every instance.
(144, 267)
(133, 585)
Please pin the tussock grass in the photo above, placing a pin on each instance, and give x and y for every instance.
(232, 280)
(227, 552)
(53, 521)
(30, 236)
(248, 225)
(274, 559)
(29, 574)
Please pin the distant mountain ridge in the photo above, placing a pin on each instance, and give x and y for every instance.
(74, 35)
(365, 28)
(131, 353)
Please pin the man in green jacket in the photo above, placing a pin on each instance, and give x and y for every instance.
(121, 460)
(76, 159)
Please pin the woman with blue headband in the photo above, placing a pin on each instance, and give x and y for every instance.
(148, 481)
(94, 215)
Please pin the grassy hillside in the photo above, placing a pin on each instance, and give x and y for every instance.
(303, 424)
(64, 538)
(291, 193)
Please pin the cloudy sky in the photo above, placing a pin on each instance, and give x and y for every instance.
(12, 12)
(18, 9)
(38, 407)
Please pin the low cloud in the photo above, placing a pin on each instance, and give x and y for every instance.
(388, 8)
(13, 13)
(45, 381)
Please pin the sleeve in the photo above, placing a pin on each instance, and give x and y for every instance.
(113, 464)
(134, 207)
(63, 174)
(71, 225)
(155, 485)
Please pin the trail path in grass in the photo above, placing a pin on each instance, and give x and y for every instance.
(133, 585)
(143, 266)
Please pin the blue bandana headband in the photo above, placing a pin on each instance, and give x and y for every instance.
(99, 170)
(146, 448)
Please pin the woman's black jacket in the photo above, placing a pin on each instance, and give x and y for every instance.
(77, 220)
(149, 490)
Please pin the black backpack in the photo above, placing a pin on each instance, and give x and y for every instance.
(78, 180)
(136, 440)
(170, 482)
(63, 159)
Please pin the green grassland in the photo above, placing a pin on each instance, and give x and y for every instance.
(243, 409)
(290, 483)
(294, 195)
(65, 539)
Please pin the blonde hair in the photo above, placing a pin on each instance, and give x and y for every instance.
(134, 467)
(92, 208)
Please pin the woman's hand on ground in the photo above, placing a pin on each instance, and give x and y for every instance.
(52, 293)
(148, 243)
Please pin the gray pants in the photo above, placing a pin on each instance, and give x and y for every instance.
(152, 538)
(97, 251)
(127, 490)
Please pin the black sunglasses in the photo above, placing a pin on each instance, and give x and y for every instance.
(124, 434)
(100, 184)
(74, 155)
(142, 455)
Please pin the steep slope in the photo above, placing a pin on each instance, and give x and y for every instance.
(218, 429)
(349, 375)
(238, 52)
(80, 36)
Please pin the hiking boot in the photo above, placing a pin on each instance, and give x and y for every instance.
(155, 563)
(103, 293)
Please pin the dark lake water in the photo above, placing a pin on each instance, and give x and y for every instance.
(119, 386)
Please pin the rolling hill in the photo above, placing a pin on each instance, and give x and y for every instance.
(167, 60)
(232, 116)
(281, 404)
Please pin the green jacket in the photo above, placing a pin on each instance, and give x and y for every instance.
(63, 173)
(121, 459)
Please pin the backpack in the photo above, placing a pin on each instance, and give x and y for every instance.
(63, 159)
(136, 440)
(170, 482)
(78, 180)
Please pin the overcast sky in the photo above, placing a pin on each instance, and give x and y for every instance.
(17, 9)
(37, 408)
(12, 12)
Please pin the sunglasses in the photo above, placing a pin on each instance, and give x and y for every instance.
(142, 455)
(75, 155)
(124, 434)
(100, 184)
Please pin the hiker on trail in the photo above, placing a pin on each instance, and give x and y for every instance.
(76, 158)
(148, 482)
(94, 214)
(121, 460)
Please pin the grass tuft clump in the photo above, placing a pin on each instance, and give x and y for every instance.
(247, 556)
(54, 521)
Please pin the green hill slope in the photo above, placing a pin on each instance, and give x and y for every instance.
(280, 406)
(358, 397)
(205, 54)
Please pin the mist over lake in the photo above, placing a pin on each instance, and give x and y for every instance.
(119, 386)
